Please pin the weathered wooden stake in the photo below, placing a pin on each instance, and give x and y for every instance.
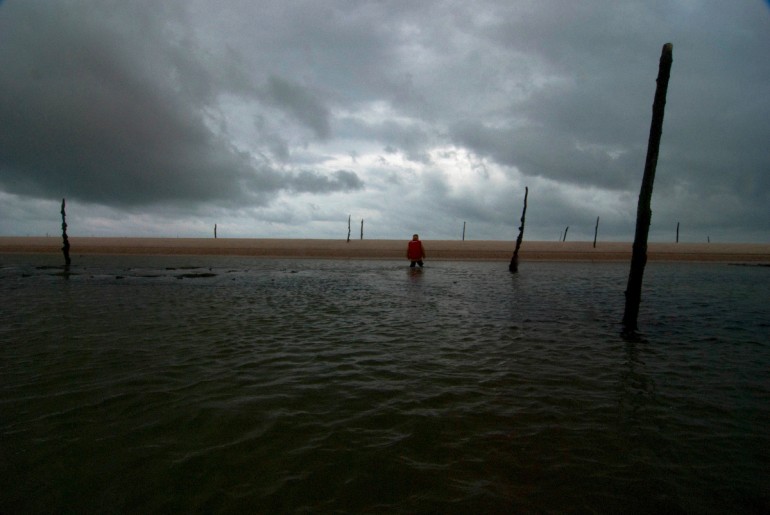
(596, 230)
(565, 234)
(215, 231)
(643, 211)
(349, 228)
(463, 231)
(677, 232)
(513, 267)
(66, 246)
(362, 228)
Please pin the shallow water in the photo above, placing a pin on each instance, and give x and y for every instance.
(200, 384)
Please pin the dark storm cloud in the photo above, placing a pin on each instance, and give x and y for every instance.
(341, 180)
(536, 151)
(301, 104)
(110, 106)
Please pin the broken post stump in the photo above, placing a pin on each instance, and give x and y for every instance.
(66, 242)
(513, 267)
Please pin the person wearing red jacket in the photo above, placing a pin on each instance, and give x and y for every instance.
(415, 251)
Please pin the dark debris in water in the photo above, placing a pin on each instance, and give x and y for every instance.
(196, 276)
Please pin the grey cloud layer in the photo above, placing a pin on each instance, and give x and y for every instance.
(232, 106)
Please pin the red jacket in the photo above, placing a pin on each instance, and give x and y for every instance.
(415, 251)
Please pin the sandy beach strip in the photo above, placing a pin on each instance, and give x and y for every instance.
(388, 249)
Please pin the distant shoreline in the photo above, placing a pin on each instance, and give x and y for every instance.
(445, 250)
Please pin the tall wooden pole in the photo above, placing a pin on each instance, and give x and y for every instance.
(643, 211)
(513, 267)
(463, 231)
(362, 228)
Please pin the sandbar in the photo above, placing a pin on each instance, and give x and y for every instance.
(446, 250)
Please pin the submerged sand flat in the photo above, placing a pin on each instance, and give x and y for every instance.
(390, 249)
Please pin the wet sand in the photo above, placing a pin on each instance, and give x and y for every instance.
(389, 249)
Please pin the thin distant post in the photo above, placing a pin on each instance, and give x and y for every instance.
(565, 234)
(66, 242)
(362, 228)
(677, 232)
(215, 231)
(596, 230)
(643, 212)
(349, 228)
(463, 231)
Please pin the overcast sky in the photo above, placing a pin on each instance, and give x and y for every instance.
(281, 118)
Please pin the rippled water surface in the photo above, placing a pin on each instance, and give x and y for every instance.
(148, 385)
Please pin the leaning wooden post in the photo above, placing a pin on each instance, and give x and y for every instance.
(66, 246)
(513, 267)
(643, 211)
(565, 234)
(596, 230)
